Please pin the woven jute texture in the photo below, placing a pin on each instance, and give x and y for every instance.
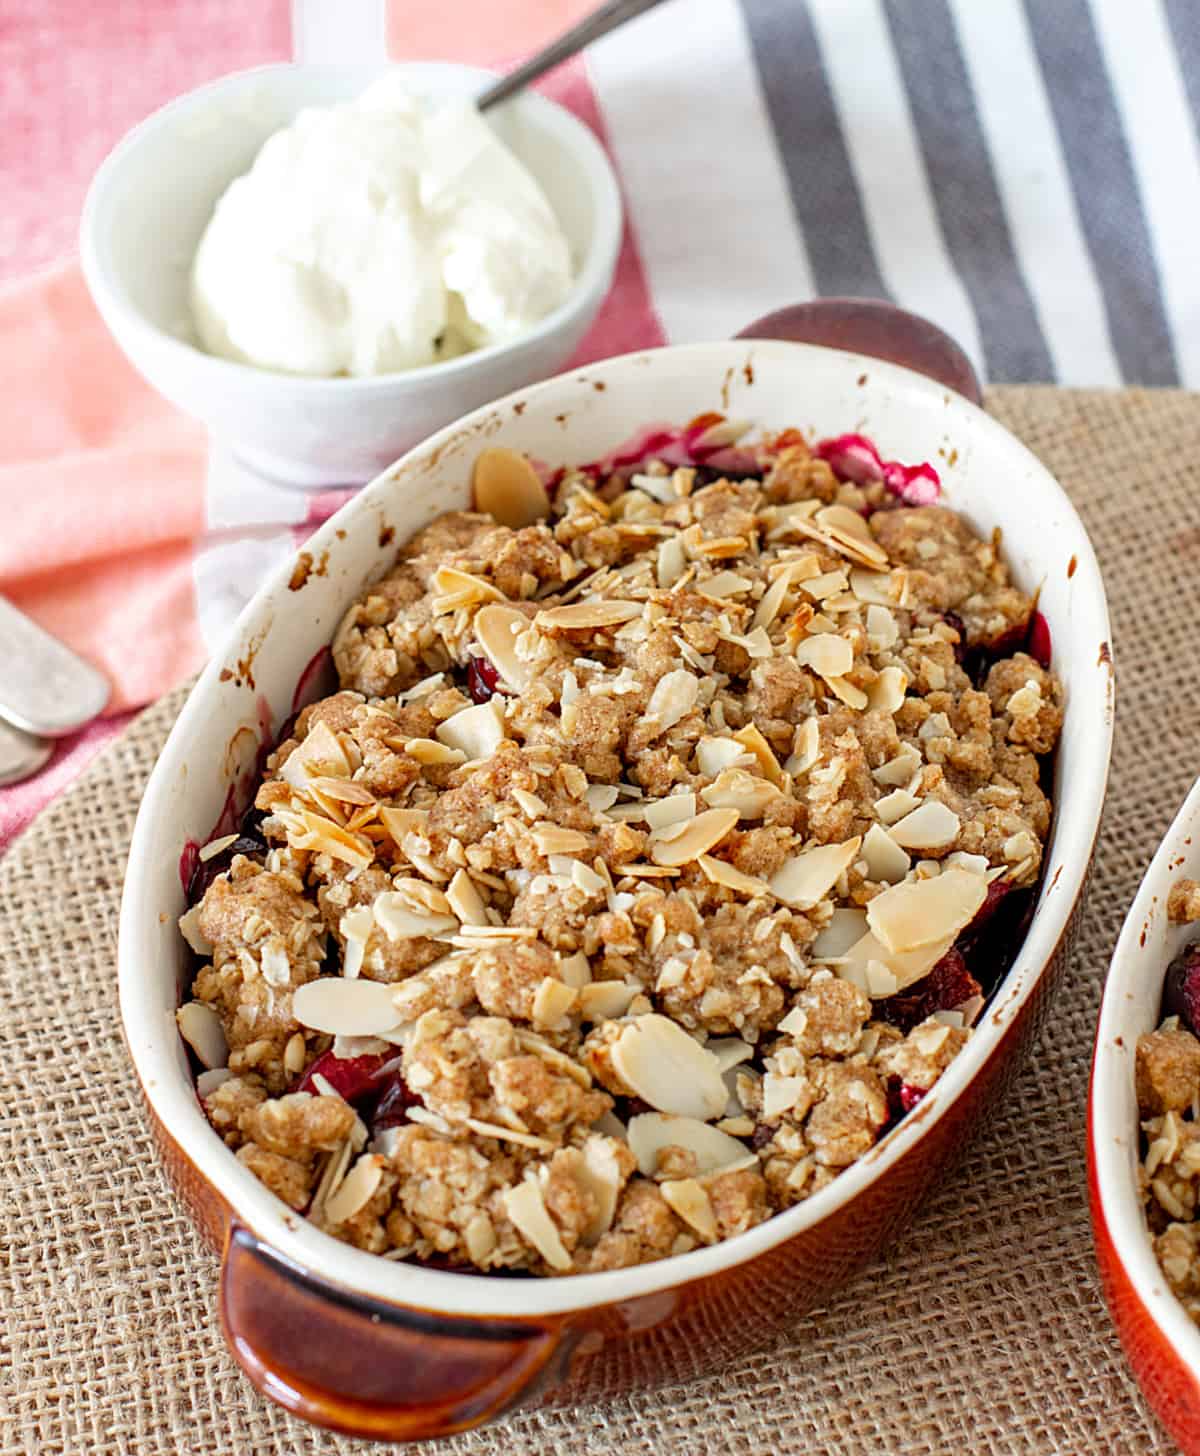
(983, 1331)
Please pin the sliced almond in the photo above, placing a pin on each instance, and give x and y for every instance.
(355, 1190)
(846, 927)
(480, 1238)
(605, 1000)
(886, 693)
(587, 616)
(753, 741)
(886, 861)
(215, 846)
(399, 822)
(722, 873)
(878, 588)
(584, 878)
(554, 839)
(504, 1134)
(771, 603)
(724, 584)
(552, 1003)
(497, 629)
(399, 921)
(323, 836)
(460, 589)
(355, 928)
(675, 807)
(674, 696)
(465, 900)
(895, 806)
(899, 770)
(780, 1094)
(601, 1176)
(689, 1200)
(734, 788)
(715, 754)
(807, 877)
(882, 972)
(650, 1132)
(527, 1210)
(806, 749)
(828, 584)
(681, 843)
(882, 630)
(933, 825)
(921, 912)
(827, 654)
(189, 928)
(201, 1028)
(530, 804)
(601, 797)
(574, 970)
(671, 562)
(476, 731)
(850, 694)
(669, 1069)
(319, 753)
(506, 487)
(345, 1008)
(432, 754)
(208, 1082)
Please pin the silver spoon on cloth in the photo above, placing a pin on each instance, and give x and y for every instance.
(571, 42)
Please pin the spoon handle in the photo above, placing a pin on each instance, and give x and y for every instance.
(590, 28)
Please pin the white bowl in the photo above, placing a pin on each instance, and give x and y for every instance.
(668, 1318)
(148, 205)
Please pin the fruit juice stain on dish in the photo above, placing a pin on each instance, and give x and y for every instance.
(376, 236)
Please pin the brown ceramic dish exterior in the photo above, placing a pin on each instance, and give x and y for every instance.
(396, 1371)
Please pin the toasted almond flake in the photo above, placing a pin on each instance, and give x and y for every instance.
(933, 825)
(715, 754)
(343, 790)
(780, 1094)
(717, 548)
(208, 1081)
(465, 900)
(585, 616)
(326, 837)
(477, 933)
(689, 1200)
(601, 797)
(846, 522)
(399, 921)
(886, 861)
(601, 1177)
(355, 1190)
(852, 696)
(919, 913)
(882, 630)
(895, 806)
(826, 654)
(506, 487)
(773, 598)
(497, 629)
(201, 1028)
(671, 562)
(674, 973)
(399, 822)
(874, 587)
(345, 1008)
(730, 1051)
(659, 813)
(605, 1000)
(477, 731)
(753, 741)
(332, 1175)
(462, 588)
(724, 584)
(886, 693)
(795, 1023)
(527, 1211)
(828, 584)
(756, 644)
(681, 843)
(480, 1238)
(215, 846)
(650, 1132)
(806, 749)
(529, 803)
(432, 754)
(673, 697)
(355, 928)
(584, 878)
(319, 754)
(575, 970)
(807, 877)
(669, 1069)
(658, 487)
(552, 1003)
(189, 928)
(554, 839)
(881, 972)
(734, 788)
(722, 873)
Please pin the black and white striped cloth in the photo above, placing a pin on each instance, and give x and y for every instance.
(1024, 172)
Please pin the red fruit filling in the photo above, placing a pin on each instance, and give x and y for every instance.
(855, 458)
(902, 1097)
(482, 679)
(353, 1077)
(948, 985)
(1181, 990)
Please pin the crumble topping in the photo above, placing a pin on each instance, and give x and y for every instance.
(633, 883)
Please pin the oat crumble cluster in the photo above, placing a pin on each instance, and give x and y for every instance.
(637, 878)
(1168, 1094)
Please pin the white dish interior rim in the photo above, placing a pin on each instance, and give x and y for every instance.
(594, 267)
(1134, 983)
(155, 1049)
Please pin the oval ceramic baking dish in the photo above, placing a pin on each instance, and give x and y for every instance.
(392, 1350)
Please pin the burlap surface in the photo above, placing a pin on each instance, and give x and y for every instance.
(984, 1330)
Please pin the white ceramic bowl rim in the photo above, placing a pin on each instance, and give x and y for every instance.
(1140, 960)
(594, 267)
(155, 1049)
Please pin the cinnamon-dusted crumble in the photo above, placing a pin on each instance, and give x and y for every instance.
(664, 839)
(1167, 1071)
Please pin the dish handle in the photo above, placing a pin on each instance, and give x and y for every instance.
(370, 1368)
(875, 327)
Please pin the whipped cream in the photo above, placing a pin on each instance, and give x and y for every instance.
(376, 236)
